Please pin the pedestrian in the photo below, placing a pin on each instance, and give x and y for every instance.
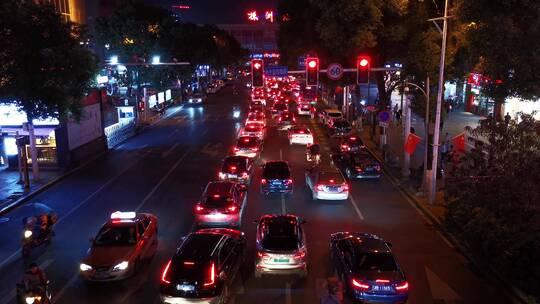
(398, 117)
(395, 111)
(507, 118)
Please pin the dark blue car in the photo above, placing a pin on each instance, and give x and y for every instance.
(369, 271)
(276, 177)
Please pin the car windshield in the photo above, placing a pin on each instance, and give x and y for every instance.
(253, 127)
(217, 201)
(334, 114)
(362, 158)
(276, 170)
(331, 177)
(116, 235)
(246, 142)
(371, 261)
(234, 165)
(194, 257)
(342, 124)
(279, 235)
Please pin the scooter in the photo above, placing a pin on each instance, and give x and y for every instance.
(32, 238)
(33, 296)
(313, 158)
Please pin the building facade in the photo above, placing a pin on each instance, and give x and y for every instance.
(71, 10)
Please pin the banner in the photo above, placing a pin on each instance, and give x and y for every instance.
(459, 142)
(412, 141)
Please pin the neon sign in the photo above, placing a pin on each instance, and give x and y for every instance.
(253, 16)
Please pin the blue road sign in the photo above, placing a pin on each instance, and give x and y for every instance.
(276, 71)
(301, 62)
(384, 116)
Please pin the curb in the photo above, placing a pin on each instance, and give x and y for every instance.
(13, 205)
(516, 294)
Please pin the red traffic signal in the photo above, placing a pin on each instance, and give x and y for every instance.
(257, 73)
(141, 106)
(312, 71)
(363, 66)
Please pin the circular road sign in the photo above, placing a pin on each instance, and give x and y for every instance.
(384, 116)
(334, 71)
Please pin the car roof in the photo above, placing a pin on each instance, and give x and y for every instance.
(364, 242)
(275, 162)
(278, 217)
(199, 246)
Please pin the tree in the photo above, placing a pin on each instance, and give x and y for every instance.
(502, 40)
(495, 205)
(46, 69)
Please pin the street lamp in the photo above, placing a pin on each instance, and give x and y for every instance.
(113, 59)
(155, 59)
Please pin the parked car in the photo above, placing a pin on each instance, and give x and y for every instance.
(368, 269)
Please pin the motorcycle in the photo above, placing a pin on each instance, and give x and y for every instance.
(32, 238)
(313, 158)
(33, 296)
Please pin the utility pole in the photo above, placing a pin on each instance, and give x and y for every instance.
(433, 181)
(405, 108)
(426, 145)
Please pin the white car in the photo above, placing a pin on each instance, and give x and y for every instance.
(253, 129)
(326, 116)
(300, 136)
(256, 117)
(304, 109)
(326, 183)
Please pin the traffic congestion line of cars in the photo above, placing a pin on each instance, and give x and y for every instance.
(204, 266)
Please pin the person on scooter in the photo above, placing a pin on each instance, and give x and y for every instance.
(34, 279)
(313, 151)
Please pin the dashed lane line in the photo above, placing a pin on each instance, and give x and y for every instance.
(358, 212)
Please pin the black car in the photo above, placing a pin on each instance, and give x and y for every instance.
(368, 269)
(358, 165)
(339, 127)
(276, 177)
(278, 108)
(236, 168)
(204, 267)
(352, 144)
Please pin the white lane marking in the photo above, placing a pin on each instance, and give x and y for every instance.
(161, 181)
(86, 200)
(353, 202)
(169, 151)
(13, 293)
(288, 298)
(283, 207)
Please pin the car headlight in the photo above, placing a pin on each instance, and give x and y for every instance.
(122, 266)
(30, 300)
(27, 233)
(84, 267)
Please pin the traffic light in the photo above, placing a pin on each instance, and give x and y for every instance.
(257, 73)
(363, 65)
(312, 71)
(141, 106)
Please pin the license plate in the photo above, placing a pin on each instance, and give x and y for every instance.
(232, 176)
(334, 189)
(216, 215)
(276, 183)
(382, 288)
(101, 275)
(185, 287)
(281, 260)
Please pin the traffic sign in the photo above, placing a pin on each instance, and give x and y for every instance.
(302, 62)
(334, 71)
(384, 116)
(276, 71)
(371, 108)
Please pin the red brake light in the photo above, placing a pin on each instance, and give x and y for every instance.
(289, 181)
(320, 187)
(236, 149)
(300, 255)
(331, 180)
(233, 168)
(245, 174)
(345, 187)
(263, 181)
(232, 208)
(199, 208)
(384, 281)
(246, 139)
(187, 263)
(279, 119)
(360, 285)
(255, 149)
(212, 276)
(164, 277)
(403, 286)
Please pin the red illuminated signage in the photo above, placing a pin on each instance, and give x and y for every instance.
(269, 16)
(252, 16)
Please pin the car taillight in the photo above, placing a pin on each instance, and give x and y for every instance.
(300, 255)
(245, 174)
(255, 149)
(164, 277)
(199, 209)
(236, 149)
(261, 254)
(360, 285)
(263, 181)
(279, 119)
(359, 169)
(345, 187)
(382, 281)
(221, 175)
(345, 147)
(212, 277)
(289, 181)
(403, 286)
(320, 187)
(231, 208)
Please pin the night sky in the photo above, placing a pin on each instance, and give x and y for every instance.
(216, 11)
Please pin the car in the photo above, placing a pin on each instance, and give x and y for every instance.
(211, 89)
(236, 168)
(339, 127)
(249, 146)
(327, 115)
(258, 94)
(326, 183)
(278, 108)
(204, 267)
(197, 98)
(358, 165)
(221, 204)
(276, 177)
(253, 129)
(300, 135)
(122, 244)
(309, 94)
(368, 269)
(256, 117)
(304, 109)
(256, 107)
(286, 120)
(352, 144)
(280, 245)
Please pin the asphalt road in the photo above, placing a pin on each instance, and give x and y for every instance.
(162, 171)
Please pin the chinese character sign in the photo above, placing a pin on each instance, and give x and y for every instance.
(252, 16)
(267, 16)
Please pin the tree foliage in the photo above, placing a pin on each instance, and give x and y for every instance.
(497, 203)
(502, 41)
(45, 66)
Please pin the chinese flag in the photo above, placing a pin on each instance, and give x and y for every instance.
(459, 142)
(412, 141)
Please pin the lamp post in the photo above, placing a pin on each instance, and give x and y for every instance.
(436, 132)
